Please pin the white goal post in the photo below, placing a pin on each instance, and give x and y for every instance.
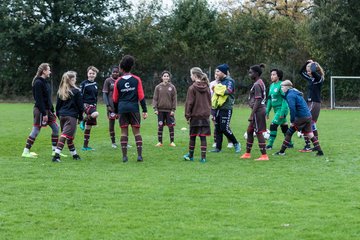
(332, 91)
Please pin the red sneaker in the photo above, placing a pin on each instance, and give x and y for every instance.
(246, 156)
(263, 157)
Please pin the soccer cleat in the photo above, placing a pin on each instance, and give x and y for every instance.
(76, 157)
(268, 147)
(88, 149)
(237, 147)
(172, 144)
(62, 155)
(188, 158)
(306, 149)
(159, 144)
(140, 159)
(28, 155)
(246, 156)
(319, 154)
(230, 145)
(214, 145)
(125, 159)
(56, 159)
(216, 150)
(263, 157)
(203, 160)
(279, 153)
(113, 145)
(82, 125)
(34, 153)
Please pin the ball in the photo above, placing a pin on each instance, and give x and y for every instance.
(300, 134)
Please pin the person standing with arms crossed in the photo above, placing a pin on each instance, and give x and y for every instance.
(164, 104)
(108, 90)
(69, 109)
(128, 93)
(89, 90)
(223, 113)
(43, 110)
(280, 106)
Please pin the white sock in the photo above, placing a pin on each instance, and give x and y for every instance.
(26, 150)
(73, 153)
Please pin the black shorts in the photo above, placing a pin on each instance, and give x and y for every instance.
(303, 125)
(68, 126)
(200, 127)
(314, 108)
(164, 118)
(90, 109)
(132, 118)
(38, 118)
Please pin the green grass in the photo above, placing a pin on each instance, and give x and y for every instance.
(297, 196)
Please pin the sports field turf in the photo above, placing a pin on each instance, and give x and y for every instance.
(297, 196)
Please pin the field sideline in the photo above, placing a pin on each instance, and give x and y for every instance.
(297, 196)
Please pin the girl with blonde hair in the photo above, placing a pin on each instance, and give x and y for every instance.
(69, 109)
(197, 112)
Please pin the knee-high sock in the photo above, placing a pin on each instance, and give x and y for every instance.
(192, 145)
(262, 144)
(273, 133)
(316, 143)
(249, 142)
(71, 146)
(203, 146)
(139, 143)
(124, 143)
(172, 133)
(112, 130)
(160, 133)
(60, 144)
(86, 137)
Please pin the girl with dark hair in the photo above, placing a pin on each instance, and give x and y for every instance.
(128, 93)
(69, 109)
(197, 112)
(108, 90)
(43, 110)
(164, 104)
(257, 119)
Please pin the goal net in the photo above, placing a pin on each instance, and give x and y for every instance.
(344, 92)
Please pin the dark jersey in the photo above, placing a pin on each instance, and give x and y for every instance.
(128, 92)
(72, 107)
(42, 95)
(315, 83)
(89, 91)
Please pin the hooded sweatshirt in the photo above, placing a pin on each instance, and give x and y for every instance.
(297, 105)
(198, 101)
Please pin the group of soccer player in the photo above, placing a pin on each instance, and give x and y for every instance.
(123, 94)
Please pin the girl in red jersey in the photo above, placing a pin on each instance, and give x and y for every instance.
(128, 93)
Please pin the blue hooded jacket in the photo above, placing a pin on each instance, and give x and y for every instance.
(297, 105)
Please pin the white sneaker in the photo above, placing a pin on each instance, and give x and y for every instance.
(113, 145)
(214, 145)
(230, 145)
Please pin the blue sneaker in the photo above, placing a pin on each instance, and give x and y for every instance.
(87, 149)
(237, 147)
(188, 158)
(82, 125)
(203, 160)
(215, 150)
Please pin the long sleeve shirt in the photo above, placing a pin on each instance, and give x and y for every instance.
(42, 95)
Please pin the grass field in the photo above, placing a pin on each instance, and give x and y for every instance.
(297, 196)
